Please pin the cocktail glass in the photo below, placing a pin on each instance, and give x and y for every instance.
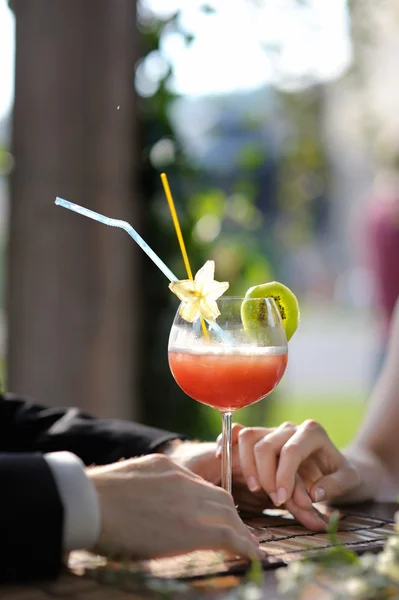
(232, 367)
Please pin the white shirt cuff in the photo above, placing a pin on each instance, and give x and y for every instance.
(79, 498)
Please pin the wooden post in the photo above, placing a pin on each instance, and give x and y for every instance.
(73, 284)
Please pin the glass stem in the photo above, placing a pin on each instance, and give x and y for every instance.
(226, 451)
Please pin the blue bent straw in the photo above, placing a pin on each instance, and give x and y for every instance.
(137, 238)
(123, 225)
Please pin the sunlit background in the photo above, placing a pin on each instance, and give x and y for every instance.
(273, 119)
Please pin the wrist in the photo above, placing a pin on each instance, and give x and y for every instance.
(169, 447)
(375, 481)
(81, 526)
(198, 457)
(101, 478)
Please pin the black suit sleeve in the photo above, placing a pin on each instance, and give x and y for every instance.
(28, 427)
(31, 518)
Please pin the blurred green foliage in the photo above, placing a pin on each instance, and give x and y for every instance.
(222, 222)
(340, 415)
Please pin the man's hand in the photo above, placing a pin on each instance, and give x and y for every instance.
(151, 507)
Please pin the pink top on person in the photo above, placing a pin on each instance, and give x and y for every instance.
(382, 247)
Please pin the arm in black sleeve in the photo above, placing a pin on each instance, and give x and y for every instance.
(31, 519)
(28, 427)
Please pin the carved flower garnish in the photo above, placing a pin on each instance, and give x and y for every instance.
(199, 296)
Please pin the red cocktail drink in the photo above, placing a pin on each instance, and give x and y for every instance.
(235, 362)
(228, 381)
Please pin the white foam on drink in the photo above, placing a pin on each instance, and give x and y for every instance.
(189, 342)
(219, 350)
(222, 350)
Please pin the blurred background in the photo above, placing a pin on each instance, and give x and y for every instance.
(277, 124)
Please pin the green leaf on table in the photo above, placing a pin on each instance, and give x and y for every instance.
(332, 527)
(337, 554)
(255, 572)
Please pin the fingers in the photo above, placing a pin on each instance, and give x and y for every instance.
(235, 430)
(223, 537)
(208, 492)
(300, 494)
(310, 438)
(219, 514)
(301, 507)
(222, 526)
(309, 517)
(271, 459)
(337, 484)
(309, 471)
(259, 449)
(218, 510)
(247, 441)
(250, 502)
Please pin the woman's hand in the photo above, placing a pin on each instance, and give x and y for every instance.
(151, 507)
(295, 466)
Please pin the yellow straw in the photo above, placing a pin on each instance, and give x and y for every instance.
(179, 234)
(176, 223)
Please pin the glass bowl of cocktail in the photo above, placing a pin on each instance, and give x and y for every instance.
(239, 357)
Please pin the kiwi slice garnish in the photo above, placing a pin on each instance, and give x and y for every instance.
(253, 312)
